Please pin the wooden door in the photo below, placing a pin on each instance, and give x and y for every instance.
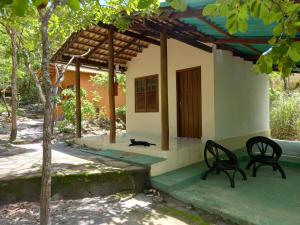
(189, 103)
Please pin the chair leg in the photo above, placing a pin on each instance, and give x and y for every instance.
(280, 170)
(242, 173)
(255, 168)
(207, 172)
(274, 168)
(231, 179)
(218, 172)
(250, 163)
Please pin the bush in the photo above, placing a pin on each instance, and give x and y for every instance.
(121, 113)
(68, 102)
(285, 115)
(102, 119)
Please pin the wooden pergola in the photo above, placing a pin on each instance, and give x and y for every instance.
(111, 50)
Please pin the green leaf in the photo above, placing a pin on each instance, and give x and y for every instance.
(74, 4)
(277, 30)
(272, 41)
(232, 24)
(242, 25)
(19, 7)
(210, 10)
(38, 3)
(179, 5)
(297, 24)
(5, 2)
(144, 4)
(294, 51)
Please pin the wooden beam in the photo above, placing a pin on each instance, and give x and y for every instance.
(178, 37)
(117, 38)
(225, 33)
(78, 99)
(117, 54)
(89, 62)
(96, 47)
(164, 91)
(133, 49)
(119, 58)
(132, 34)
(111, 89)
(69, 42)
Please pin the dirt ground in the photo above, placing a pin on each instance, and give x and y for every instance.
(111, 210)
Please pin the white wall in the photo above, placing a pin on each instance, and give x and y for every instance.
(180, 56)
(235, 100)
(241, 97)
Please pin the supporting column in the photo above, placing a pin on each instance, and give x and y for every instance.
(78, 99)
(164, 91)
(111, 92)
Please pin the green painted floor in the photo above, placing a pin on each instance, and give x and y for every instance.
(265, 200)
(139, 159)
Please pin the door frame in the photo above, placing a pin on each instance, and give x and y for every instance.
(177, 97)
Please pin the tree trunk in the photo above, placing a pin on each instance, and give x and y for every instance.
(48, 112)
(14, 104)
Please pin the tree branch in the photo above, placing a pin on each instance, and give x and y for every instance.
(32, 73)
(60, 74)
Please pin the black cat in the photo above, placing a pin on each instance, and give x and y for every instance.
(144, 143)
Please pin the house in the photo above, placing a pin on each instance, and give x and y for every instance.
(187, 80)
(86, 73)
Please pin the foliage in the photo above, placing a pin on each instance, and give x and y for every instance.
(102, 118)
(5, 62)
(285, 116)
(121, 112)
(68, 103)
(285, 14)
(101, 79)
(2, 108)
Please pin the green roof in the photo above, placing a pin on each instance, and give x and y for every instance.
(256, 29)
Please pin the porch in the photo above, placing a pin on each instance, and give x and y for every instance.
(263, 200)
(183, 151)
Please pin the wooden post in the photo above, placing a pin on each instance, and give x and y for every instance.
(78, 99)
(164, 91)
(111, 91)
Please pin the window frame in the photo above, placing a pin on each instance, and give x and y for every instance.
(145, 78)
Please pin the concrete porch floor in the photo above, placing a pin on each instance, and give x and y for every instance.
(264, 200)
(183, 151)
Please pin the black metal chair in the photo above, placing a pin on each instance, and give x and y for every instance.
(264, 151)
(218, 164)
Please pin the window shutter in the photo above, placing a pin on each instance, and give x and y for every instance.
(146, 94)
(140, 95)
(152, 94)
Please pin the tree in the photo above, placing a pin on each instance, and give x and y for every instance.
(8, 22)
(285, 14)
(14, 102)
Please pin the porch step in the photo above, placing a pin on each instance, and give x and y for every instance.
(179, 178)
(133, 158)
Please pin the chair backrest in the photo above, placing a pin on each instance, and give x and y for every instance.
(263, 146)
(215, 151)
